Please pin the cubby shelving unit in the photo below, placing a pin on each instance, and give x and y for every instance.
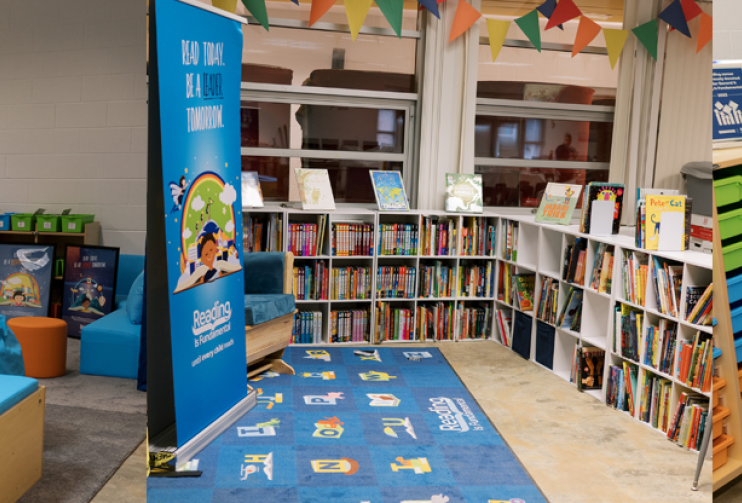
(540, 251)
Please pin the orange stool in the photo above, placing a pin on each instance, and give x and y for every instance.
(44, 345)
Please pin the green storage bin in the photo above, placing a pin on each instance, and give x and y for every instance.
(732, 256)
(728, 190)
(730, 224)
(48, 223)
(23, 222)
(75, 223)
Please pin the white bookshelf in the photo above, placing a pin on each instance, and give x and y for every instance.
(541, 250)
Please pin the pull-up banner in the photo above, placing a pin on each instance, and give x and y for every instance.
(196, 233)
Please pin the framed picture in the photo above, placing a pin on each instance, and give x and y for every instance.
(25, 279)
(89, 291)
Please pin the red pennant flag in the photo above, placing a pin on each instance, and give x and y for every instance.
(705, 31)
(466, 15)
(586, 33)
(319, 8)
(564, 11)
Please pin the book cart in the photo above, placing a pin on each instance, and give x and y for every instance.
(726, 380)
(539, 251)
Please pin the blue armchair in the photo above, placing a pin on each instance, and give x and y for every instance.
(110, 345)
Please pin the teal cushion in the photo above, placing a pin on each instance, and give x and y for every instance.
(135, 300)
(263, 272)
(262, 308)
(13, 389)
(110, 346)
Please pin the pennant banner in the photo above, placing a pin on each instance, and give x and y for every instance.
(530, 28)
(647, 35)
(392, 11)
(258, 11)
(587, 30)
(431, 5)
(614, 42)
(319, 8)
(356, 12)
(705, 31)
(497, 30)
(691, 9)
(465, 17)
(547, 9)
(675, 17)
(564, 11)
(227, 5)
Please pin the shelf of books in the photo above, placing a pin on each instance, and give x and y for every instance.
(627, 326)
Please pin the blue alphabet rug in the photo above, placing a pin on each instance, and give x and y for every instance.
(354, 425)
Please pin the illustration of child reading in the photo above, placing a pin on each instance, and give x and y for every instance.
(19, 290)
(87, 302)
(215, 259)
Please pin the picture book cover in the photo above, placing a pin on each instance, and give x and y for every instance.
(252, 196)
(25, 279)
(464, 193)
(599, 191)
(657, 206)
(315, 189)
(591, 368)
(389, 191)
(524, 286)
(558, 203)
(572, 308)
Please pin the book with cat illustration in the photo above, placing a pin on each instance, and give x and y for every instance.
(591, 368)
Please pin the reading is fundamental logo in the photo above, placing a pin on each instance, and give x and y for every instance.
(209, 321)
(452, 417)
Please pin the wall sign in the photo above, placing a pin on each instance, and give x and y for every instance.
(727, 101)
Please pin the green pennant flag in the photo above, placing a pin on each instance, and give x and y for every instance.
(647, 35)
(258, 11)
(530, 28)
(392, 10)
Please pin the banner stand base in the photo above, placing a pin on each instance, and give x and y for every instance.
(166, 441)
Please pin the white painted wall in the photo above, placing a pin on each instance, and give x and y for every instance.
(73, 112)
(727, 29)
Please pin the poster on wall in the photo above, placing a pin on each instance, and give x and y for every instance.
(25, 279)
(195, 172)
(727, 101)
(89, 285)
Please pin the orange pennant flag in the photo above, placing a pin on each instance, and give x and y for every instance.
(705, 31)
(319, 8)
(587, 30)
(465, 17)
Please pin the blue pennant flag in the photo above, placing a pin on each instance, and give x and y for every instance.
(675, 17)
(432, 6)
(547, 9)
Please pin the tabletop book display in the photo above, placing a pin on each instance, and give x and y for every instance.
(464, 193)
(315, 189)
(389, 191)
(558, 203)
(252, 196)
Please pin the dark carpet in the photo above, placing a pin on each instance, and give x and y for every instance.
(92, 425)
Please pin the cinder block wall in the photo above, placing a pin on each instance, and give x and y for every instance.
(727, 29)
(73, 112)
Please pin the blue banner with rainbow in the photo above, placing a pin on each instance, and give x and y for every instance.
(199, 64)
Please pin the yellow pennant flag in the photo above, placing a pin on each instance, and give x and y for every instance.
(356, 11)
(614, 41)
(227, 5)
(497, 30)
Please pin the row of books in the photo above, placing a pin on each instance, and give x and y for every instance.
(474, 322)
(628, 327)
(393, 323)
(435, 321)
(634, 267)
(574, 261)
(476, 280)
(505, 283)
(667, 278)
(587, 367)
(659, 346)
(477, 238)
(602, 191)
(262, 232)
(571, 315)
(650, 209)
(698, 305)
(350, 239)
(398, 239)
(689, 421)
(305, 240)
(437, 280)
(349, 326)
(307, 328)
(602, 274)
(438, 237)
(396, 282)
(503, 321)
(350, 283)
(621, 390)
(547, 300)
(694, 363)
(654, 407)
(510, 243)
(311, 282)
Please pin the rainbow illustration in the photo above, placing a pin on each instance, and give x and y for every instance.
(24, 283)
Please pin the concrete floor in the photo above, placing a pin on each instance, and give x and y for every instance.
(576, 449)
(730, 493)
